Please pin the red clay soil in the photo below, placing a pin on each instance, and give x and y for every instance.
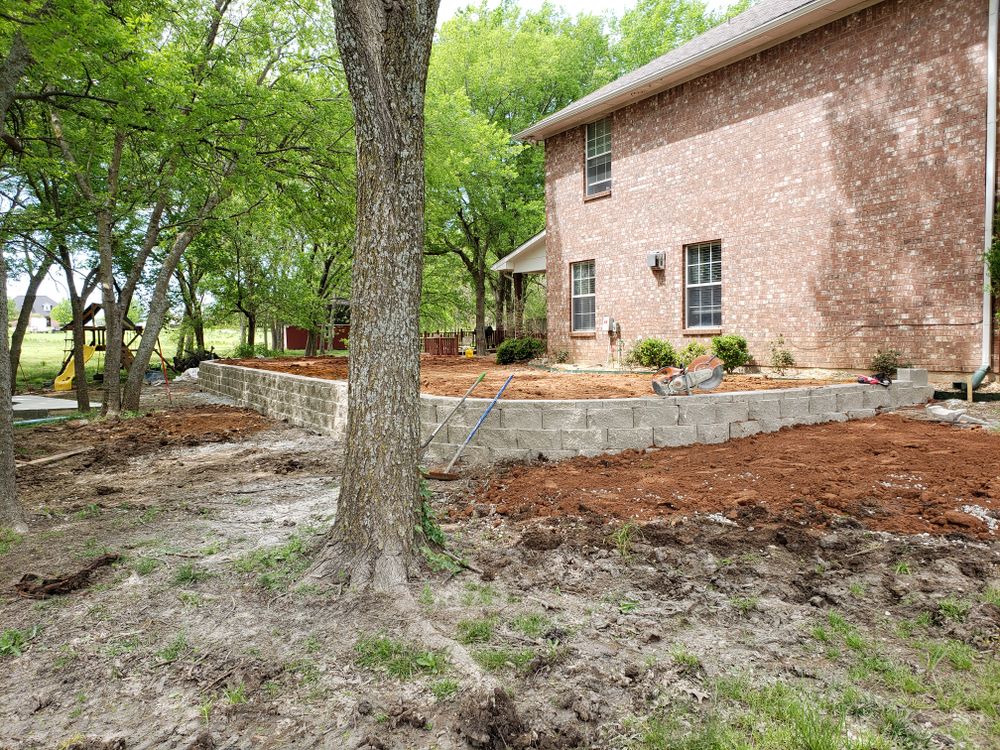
(452, 376)
(887, 474)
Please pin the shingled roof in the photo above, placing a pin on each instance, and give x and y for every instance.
(763, 25)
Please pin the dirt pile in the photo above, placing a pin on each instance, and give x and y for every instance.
(452, 376)
(885, 474)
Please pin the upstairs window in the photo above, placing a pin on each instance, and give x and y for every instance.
(703, 288)
(599, 156)
(584, 306)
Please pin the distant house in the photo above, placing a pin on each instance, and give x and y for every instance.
(41, 313)
(816, 169)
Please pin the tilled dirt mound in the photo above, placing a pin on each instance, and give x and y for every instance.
(885, 474)
(452, 376)
(179, 427)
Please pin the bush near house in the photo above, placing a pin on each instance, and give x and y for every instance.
(688, 354)
(653, 353)
(519, 350)
(781, 358)
(886, 362)
(732, 349)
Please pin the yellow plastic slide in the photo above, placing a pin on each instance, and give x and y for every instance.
(65, 380)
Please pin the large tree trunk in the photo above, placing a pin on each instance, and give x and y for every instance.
(12, 70)
(385, 48)
(24, 317)
(159, 303)
(112, 405)
(479, 284)
(11, 512)
(518, 284)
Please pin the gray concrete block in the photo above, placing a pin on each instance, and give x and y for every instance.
(713, 433)
(769, 424)
(736, 411)
(520, 417)
(822, 403)
(793, 408)
(489, 437)
(861, 414)
(850, 401)
(696, 413)
(539, 440)
(744, 429)
(656, 415)
(923, 393)
(564, 419)
(579, 440)
(876, 397)
(673, 437)
(764, 409)
(834, 416)
(636, 437)
(619, 418)
(913, 375)
(901, 394)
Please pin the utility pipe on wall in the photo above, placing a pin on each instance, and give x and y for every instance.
(991, 181)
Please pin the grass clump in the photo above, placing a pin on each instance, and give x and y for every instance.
(744, 604)
(277, 567)
(402, 660)
(498, 659)
(624, 539)
(13, 640)
(8, 538)
(991, 596)
(953, 609)
(476, 630)
(189, 574)
(444, 689)
(145, 565)
(532, 625)
(173, 652)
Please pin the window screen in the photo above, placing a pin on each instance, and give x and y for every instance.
(599, 156)
(704, 285)
(583, 296)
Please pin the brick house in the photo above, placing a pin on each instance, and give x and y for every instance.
(814, 169)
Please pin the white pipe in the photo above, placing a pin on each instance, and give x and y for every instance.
(991, 169)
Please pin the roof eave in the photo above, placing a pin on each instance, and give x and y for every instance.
(765, 36)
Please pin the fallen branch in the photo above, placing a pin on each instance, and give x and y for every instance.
(55, 457)
(33, 586)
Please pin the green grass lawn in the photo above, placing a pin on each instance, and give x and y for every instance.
(43, 353)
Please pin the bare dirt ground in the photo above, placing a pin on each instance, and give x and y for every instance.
(452, 376)
(776, 629)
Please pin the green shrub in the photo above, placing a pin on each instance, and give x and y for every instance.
(654, 353)
(732, 349)
(887, 362)
(781, 358)
(519, 350)
(690, 352)
(246, 351)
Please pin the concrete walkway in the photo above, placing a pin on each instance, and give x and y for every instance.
(39, 407)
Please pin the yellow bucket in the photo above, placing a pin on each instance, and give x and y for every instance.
(470, 352)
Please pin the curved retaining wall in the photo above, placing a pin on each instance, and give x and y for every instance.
(520, 430)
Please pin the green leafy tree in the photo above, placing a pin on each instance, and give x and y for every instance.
(494, 71)
(654, 27)
(62, 312)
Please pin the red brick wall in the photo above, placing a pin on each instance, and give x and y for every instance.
(843, 172)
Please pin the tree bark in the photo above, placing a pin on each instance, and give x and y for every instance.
(159, 302)
(11, 513)
(479, 285)
(518, 284)
(24, 316)
(385, 48)
(76, 300)
(11, 72)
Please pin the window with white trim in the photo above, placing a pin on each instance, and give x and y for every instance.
(599, 156)
(703, 285)
(584, 307)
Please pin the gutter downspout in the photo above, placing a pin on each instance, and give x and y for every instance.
(991, 168)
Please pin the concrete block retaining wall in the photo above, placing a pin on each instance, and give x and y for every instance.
(520, 430)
